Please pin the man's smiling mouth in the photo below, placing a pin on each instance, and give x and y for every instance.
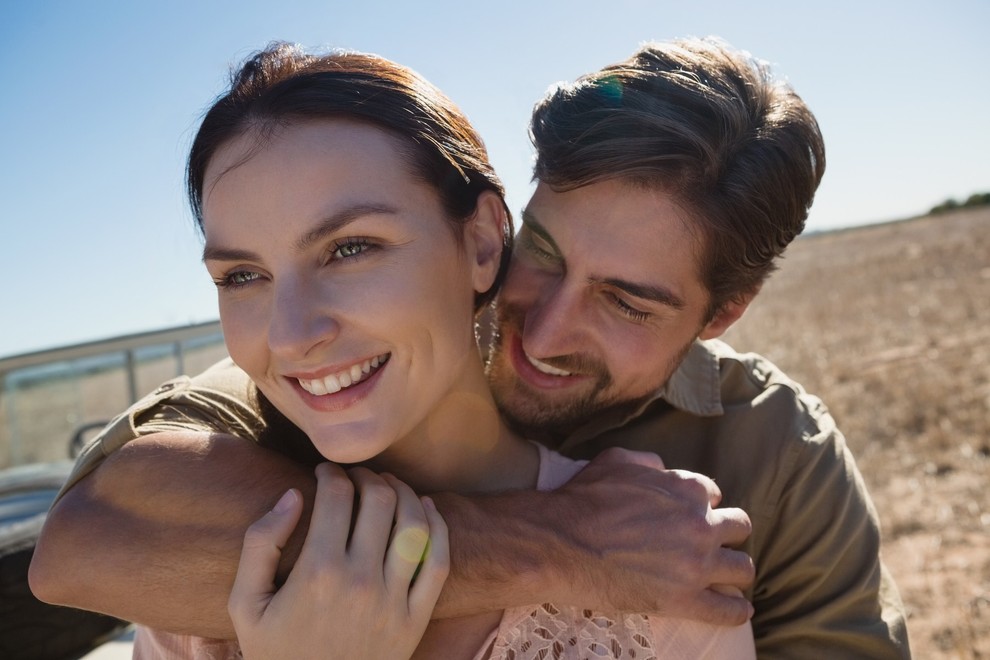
(545, 368)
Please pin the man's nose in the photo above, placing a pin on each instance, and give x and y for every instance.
(556, 323)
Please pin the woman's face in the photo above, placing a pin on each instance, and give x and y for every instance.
(343, 292)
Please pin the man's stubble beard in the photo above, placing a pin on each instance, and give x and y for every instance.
(525, 411)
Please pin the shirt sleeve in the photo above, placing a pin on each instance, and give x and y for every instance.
(220, 400)
(821, 586)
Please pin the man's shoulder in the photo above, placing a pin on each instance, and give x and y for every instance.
(752, 386)
(221, 399)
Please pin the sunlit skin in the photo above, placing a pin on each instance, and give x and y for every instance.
(605, 295)
(336, 269)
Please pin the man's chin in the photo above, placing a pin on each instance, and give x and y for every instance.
(542, 418)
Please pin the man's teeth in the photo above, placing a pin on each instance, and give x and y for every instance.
(546, 368)
(336, 382)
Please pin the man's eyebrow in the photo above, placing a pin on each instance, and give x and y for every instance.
(332, 223)
(652, 293)
(649, 292)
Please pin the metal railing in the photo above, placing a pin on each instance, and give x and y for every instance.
(50, 399)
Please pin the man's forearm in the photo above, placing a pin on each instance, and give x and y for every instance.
(501, 554)
(154, 534)
(622, 535)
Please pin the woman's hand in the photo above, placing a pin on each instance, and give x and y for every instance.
(366, 593)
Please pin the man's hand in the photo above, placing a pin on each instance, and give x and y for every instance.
(649, 540)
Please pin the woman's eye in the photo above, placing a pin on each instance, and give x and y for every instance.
(351, 248)
(236, 279)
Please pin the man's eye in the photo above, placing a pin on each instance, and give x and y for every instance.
(529, 242)
(627, 309)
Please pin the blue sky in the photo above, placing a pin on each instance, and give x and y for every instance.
(100, 100)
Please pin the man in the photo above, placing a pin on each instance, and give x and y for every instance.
(667, 187)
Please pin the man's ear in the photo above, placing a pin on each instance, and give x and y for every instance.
(483, 240)
(728, 314)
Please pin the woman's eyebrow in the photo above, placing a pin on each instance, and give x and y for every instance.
(339, 219)
(332, 223)
(214, 253)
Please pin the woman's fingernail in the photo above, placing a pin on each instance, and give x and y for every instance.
(284, 503)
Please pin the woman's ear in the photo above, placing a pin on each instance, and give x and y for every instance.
(484, 240)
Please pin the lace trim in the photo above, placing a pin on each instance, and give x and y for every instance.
(548, 632)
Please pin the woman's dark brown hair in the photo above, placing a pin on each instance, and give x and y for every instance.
(283, 84)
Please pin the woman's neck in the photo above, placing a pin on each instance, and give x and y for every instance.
(464, 446)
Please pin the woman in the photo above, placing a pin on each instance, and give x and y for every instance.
(354, 227)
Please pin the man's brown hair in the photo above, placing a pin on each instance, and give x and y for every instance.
(708, 125)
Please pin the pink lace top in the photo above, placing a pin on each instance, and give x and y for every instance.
(535, 632)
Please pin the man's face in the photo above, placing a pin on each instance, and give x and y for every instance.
(601, 303)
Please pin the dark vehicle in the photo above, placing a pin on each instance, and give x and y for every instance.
(29, 628)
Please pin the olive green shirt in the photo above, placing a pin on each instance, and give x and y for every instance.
(821, 590)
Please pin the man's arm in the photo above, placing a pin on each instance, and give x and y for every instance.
(153, 535)
(821, 586)
(622, 535)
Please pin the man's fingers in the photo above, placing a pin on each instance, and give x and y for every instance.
(733, 568)
(262, 549)
(723, 607)
(731, 525)
(698, 486)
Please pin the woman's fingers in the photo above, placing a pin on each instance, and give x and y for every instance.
(373, 525)
(254, 584)
(409, 539)
(435, 567)
(331, 520)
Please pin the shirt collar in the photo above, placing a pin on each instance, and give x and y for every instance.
(695, 386)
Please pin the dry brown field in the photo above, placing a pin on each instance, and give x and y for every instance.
(890, 326)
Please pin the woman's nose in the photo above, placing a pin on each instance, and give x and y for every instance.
(301, 319)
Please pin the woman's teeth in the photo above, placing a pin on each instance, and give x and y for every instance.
(336, 382)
